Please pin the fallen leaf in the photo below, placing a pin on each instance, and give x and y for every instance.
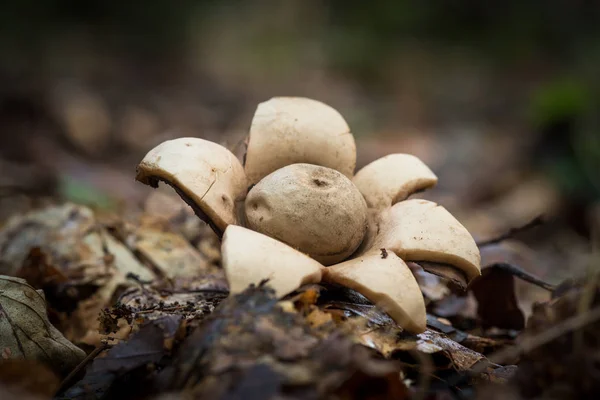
(149, 303)
(500, 374)
(317, 318)
(249, 346)
(559, 350)
(143, 349)
(93, 261)
(171, 254)
(25, 331)
(496, 301)
(516, 253)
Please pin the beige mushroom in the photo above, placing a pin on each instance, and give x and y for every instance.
(393, 178)
(250, 257)
(289, 130)
(388, 282)
(421, 230)
(206, 175)
(314, 209)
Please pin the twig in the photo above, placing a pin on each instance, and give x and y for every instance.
(522, 274)
(168, 309)
(136, 278)
(530, 343)
(89, 358)
(571, 324)
(512, 232)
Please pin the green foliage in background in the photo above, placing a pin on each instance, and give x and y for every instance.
(559, 99)
(566, 105)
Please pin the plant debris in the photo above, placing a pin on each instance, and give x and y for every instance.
(25, 331)
(249, 346)
(170, 329)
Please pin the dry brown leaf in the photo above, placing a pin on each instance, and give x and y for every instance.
(143, 350)
(389, 341)
(497, 304)
(516, 253)
(25, 331)
(79, 249)
(317, 318)
(171, 254)
(371, 327)
(250, 348)
(138, 306)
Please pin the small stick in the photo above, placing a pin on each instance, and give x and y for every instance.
(136, 278)
(512, 232)
(522, 274)
(90, 357)
(569, 325)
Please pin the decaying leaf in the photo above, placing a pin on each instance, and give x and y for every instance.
(370, 326)
(170, 254)
(25, 331)
(502, 296)
(155, 285)
(174, 258)
(478, 344)
(138, 306)
(496, 301)
(560, 347)
(81, 250)
(517, 254)
(143, 350)
(250, 348)
(500, 374)
(82, 267)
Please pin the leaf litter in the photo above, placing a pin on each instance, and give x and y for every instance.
(146, 299)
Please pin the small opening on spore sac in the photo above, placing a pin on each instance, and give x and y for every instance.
(319, 182)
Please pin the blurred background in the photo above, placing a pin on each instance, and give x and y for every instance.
(500, 98)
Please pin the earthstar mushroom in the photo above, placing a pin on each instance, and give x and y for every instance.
(314, 209)
(243, 249)
(306, 218)
(206, 175)
(291, 130)
(387, 282)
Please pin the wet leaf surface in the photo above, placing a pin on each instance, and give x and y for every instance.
(144, 350)
(250, 336)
